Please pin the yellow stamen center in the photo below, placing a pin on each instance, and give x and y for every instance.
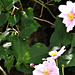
(53, 53)
(70, 16)
(46, 72)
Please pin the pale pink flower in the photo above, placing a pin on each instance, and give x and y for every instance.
(46, 68)
(68, 15)
(54, 54)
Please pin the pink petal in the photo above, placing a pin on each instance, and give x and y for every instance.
(54, 70)
(62, 15)
(59, 53)
(66, 21)
(70, 27)
(51, 61)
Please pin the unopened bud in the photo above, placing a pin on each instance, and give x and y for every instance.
(32, 65)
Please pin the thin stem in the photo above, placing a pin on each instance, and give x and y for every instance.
(57, 62)
(41, 1)
(3, 70)
(44, 20)
(18, 29)
(46, 8)
(63, 69)
(34, 5)
(41, 11)
(14, 10)
(48, 2)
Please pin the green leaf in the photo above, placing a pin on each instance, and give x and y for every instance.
(8, 4)
(29, 25)
(19, 47)
(4, 35)
(57, 0)
(24, 68)
(36, 53)
(25, 32)
(3, 18)
(4, 53)
(14, 1)
(73, 41)
(27, 18)
(29, 13)
(60, 36)
(72, 62)
(9, 63)
(13, 19)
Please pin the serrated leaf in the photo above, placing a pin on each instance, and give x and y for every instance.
(60, 36)
(3, 18)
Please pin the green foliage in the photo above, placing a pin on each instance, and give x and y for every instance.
(3, 18)
(18, 26)
(73, 41)
(8, 4)
(57, 0)
(36, 53)
(14, 19)
(60, 36)
(9, 63)
(28, 23)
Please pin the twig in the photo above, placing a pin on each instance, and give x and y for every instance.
(41, 11)
(18, 29)
(46, 8)
(41, 1)
(3, 70)
(44, 20)
(48, 2)
(14, 7)
(34, 5)
(56, 62)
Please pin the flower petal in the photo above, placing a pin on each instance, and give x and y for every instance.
(66, 21)
(65, 9)
(71, 25)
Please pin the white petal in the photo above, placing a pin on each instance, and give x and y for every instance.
(69, 3)
(65, 9)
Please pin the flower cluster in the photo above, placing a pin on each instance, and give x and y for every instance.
(68, 14)
(48, 67)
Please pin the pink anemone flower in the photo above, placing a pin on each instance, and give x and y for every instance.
(68, 14)
(46, 68)
(54, 54)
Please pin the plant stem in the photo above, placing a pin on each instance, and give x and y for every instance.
(3, 70)
(46, 8)
(44, 20)
(62, 69)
